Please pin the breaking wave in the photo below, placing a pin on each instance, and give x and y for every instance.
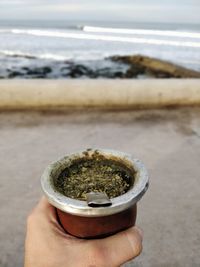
(110, 38)
(30, 56)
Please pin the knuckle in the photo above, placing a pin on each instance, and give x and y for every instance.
(135, 244)
(137, 248)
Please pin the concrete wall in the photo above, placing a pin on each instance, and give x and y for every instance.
(45, 94)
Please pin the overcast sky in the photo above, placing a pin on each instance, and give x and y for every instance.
(180, 11)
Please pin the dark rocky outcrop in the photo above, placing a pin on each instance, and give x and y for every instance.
(108, 73)
(154, 67)
(15, 74)
(114, 67)
(76, 71)
(42, 71)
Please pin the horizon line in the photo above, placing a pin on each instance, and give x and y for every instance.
(94, 20)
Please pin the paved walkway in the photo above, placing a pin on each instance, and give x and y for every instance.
(167, 141)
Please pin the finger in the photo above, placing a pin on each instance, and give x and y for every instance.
(44, 210)
(44, 206)
(47, 213)
(121, 247)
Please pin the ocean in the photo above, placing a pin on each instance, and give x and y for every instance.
(53, 44)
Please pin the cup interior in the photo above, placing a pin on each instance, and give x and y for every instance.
(77, 174)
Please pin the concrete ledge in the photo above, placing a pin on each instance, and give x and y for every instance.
(45, 94)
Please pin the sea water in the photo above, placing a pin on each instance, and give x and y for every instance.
(27, 43)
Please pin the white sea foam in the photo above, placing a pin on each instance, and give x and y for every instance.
(15, 53)
(110, 38)
(142, 32)
(27, 55)
(53, 57)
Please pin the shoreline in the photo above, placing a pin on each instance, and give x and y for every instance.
(113, 67)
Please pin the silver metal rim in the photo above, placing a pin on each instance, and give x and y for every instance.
(81, 208)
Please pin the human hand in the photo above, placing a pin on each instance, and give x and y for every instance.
(48, 245)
